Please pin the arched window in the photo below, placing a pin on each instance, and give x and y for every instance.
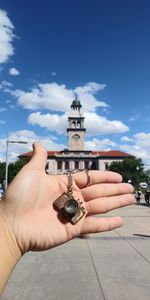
(79, 124)
(73, 124)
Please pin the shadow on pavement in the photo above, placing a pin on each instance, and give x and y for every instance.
(142, 235)
(135, 236)
(142, 204)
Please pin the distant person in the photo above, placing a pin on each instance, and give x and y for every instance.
(130, 181)
(138, 196)
(29, 221)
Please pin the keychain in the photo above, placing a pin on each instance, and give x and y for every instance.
(68, 206)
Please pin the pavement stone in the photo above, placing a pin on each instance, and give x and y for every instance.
(113, 265)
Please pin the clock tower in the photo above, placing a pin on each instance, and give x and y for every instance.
(76, 130)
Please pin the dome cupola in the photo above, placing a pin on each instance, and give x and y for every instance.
(76, 103)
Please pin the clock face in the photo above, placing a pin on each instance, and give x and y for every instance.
(76, 137)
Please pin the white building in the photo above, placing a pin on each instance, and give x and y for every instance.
(75, 157)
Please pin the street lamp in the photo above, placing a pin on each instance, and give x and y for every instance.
(138, 168)
(6, 168)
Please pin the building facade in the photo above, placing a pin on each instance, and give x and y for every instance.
(75, 157)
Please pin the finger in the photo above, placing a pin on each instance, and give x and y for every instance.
(106, 190)
(95, 225)
(81, 178)
(39, 157)
(104, 205)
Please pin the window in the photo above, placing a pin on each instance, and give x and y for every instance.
(47, 167)
(86, 165)
(106, 166)
(76, 165)
(66, 165)
(78, 124)
(59, 165)
(94, 165)
(73, 124)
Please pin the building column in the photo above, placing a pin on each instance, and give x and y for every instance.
(63, 166)
(71, 165)
(82, 165)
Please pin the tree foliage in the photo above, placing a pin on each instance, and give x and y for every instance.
(13, 169)
(130, 169)
(2, 172)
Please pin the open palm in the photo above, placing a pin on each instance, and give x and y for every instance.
(28, 204)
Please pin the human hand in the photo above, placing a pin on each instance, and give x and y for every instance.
(27, 206)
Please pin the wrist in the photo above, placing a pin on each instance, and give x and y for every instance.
(9, 249)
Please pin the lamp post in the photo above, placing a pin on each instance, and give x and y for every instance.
(6, 168)
(138, 168)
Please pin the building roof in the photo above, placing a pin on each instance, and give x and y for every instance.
(112, 153)
(50, 153)
(102, 154)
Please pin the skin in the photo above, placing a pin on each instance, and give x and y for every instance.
(29, 221)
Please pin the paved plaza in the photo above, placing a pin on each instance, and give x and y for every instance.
(109, 266)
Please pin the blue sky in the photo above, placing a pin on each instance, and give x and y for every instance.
(51, 51)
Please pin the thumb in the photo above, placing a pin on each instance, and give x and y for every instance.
(39, 158)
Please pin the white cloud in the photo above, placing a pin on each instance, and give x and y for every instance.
(53, 73)
(11, 106)
(17, 93)
(56, 97)
(2, 122)
(6, 37)
(142, 135)
(127, 139)
(2, 109)
(134, 117)
(5, 84)
(96, 144)
(94, 123)
(13, 72)
(52, 122)
(140, 148)
(87, 93)
(136, 151)
(14, 150)
(50, 96)
(143, 139)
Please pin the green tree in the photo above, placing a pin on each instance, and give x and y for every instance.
(2, 172)
(130, 169)
(15, 167)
